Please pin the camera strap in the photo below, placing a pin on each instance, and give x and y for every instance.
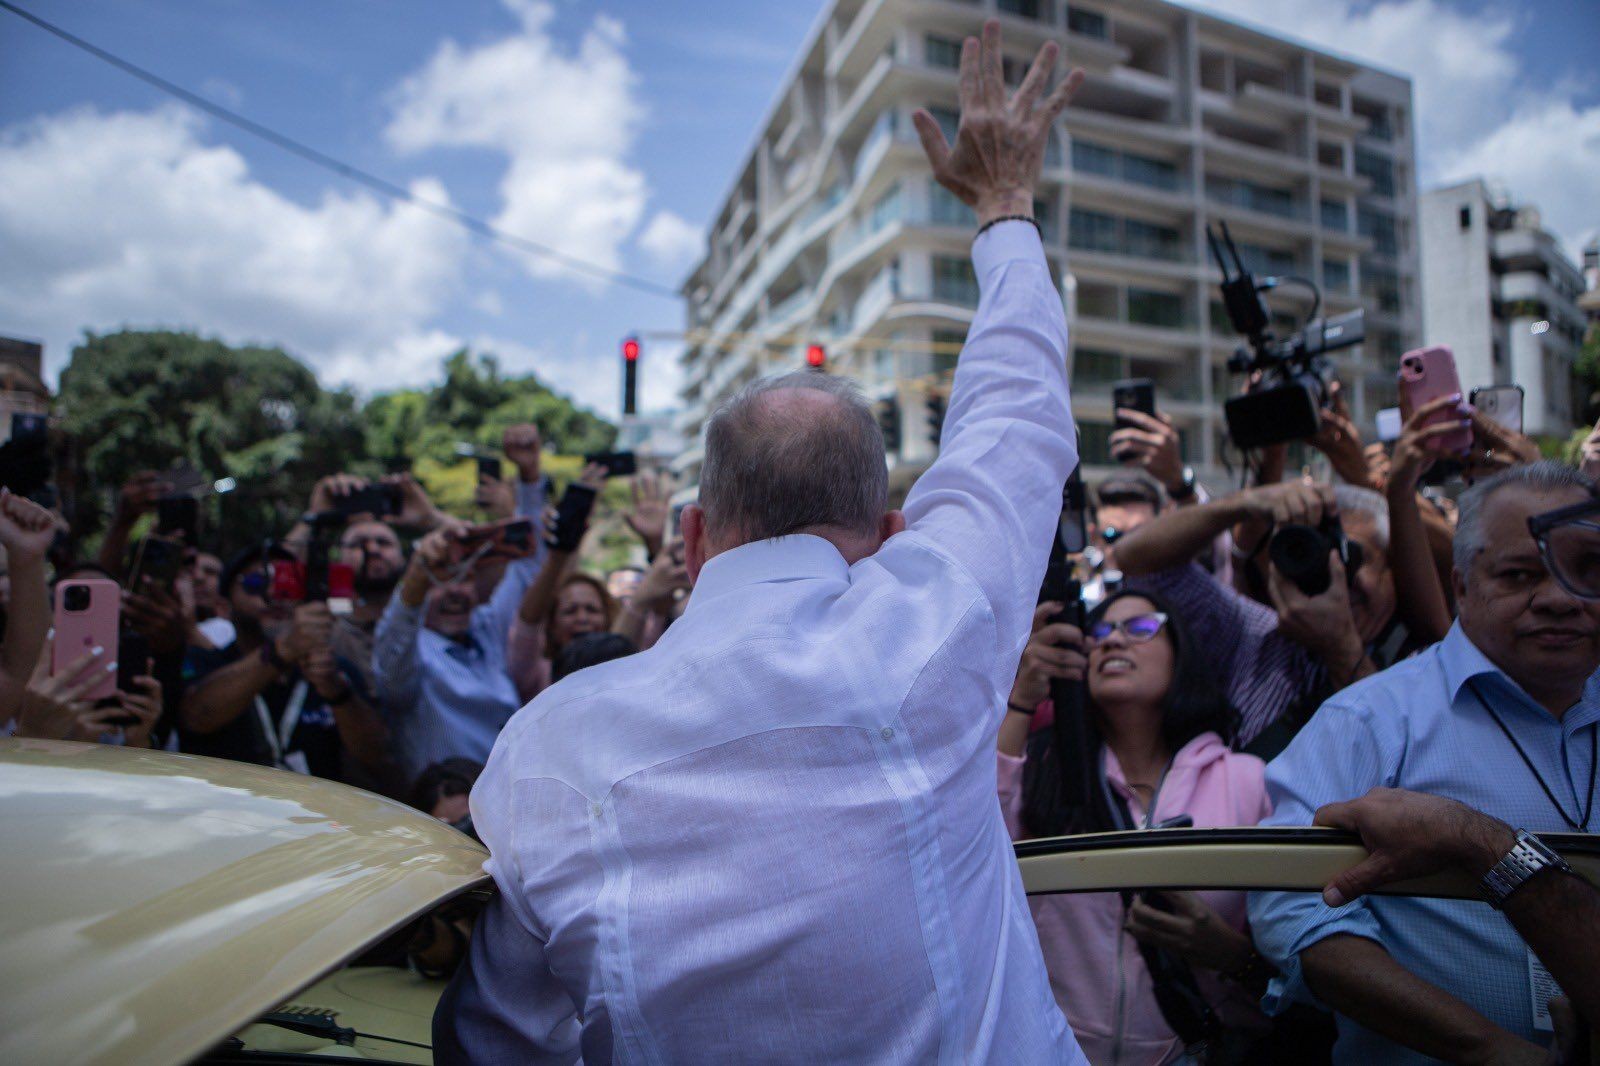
(278, 738)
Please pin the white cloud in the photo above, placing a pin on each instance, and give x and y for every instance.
(672, 241)
(564, 118)
(1480, 112)
(128, 218)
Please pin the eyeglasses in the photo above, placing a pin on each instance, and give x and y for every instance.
(254, 584)
(1140, 629)
(1569, 544)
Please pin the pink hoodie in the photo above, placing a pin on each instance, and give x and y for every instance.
(1099, 978)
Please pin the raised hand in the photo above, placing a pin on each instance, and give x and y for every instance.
(26, 529)
(522, 445)
(139, 495)
(651, 508)
(1000, 144)
(1150, 442)
(53, 706)
(327, 491)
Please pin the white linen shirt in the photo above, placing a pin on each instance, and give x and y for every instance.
(773, 836)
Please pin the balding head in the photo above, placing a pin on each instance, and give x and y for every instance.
(792, 454)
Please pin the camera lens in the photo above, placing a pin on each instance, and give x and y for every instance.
(1300, 553)
(76, 598)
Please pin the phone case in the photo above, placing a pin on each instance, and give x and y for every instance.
(96, 625)
(1425, 375)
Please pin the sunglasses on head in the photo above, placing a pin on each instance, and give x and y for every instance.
(1140, 629)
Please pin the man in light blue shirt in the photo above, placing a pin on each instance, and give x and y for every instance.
(439, 656)
(1501, 715)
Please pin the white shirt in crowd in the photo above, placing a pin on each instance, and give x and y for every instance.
(773, 836)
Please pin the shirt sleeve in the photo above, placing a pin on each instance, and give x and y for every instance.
(493, 619)
(394, 654)
(1299, 781)
(992, 499)
(504, 1005)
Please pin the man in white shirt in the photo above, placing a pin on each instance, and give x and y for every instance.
(773, 836)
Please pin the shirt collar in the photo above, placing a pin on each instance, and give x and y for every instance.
(798, 557)
(1462, 661)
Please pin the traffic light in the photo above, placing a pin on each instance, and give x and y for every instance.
(630, 375)
(817, 357)
(889, 422)
(936, 403)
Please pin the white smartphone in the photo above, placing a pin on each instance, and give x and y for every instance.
(1389, 424)
(1502, 403)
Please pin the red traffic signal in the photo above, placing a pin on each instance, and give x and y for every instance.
(816, 357)
(630, 349)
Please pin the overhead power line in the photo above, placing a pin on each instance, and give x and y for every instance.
(347, 170)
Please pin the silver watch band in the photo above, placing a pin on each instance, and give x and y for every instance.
(1527, 857)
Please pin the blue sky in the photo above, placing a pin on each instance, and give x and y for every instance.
(608, 129)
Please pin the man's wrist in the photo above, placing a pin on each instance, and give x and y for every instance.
(1484, 843)
(1013, 204)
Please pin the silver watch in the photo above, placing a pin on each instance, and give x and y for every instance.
(1527, 857)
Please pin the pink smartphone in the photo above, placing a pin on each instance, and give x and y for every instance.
(1425, 375)
(88, 615)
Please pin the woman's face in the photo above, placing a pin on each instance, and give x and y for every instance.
(1124, 672)
(579, 612)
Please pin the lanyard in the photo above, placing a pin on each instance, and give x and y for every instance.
(1584, 809)
(278, 739)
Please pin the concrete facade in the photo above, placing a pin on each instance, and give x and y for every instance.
(834, 233)
(1500, 292)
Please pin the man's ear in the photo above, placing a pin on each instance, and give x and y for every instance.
(1458, 581)
(692, 523)
(891, 523)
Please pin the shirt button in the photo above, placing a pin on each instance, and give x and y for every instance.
(887, 734)
(594, 809)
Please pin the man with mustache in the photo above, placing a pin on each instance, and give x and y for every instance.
(1501, 715)
(439, 654)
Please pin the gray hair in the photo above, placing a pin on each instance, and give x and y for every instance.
(768, 473)
(1547, 475)
(1353, 499)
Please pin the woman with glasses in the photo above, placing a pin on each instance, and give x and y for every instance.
(1151, 751)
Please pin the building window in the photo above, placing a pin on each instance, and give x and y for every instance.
(1097, 301)
(942, 52)
(1249, 195)
(1156, 173)
(1148, 307)
(1151, 241)
(1336, 275)
(1094, 443)
(947, 345)
(1092, 158)
(1028, 9)
(1378, 169)
(1335, 215)
(1088, 23)
(885, 211)
(954, 280)
(1464, 216)
(1093, 366)
(1380, 227)
(945, 210)
(1092, 231)
(1259, 259)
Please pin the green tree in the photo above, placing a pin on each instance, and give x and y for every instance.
(137, 400)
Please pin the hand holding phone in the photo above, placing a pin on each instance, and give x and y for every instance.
(617, 464)
(1428, 374)
(88, 615)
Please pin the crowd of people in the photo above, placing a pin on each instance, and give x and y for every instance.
(1441, 662)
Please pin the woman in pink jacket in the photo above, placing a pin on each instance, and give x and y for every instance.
(1154, 751)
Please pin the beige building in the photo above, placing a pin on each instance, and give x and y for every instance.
(834, 233)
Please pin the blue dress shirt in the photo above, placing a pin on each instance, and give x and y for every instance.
(447, 698)
(1418, 726)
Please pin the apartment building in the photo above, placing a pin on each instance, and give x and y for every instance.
(1499, 290)
(834, 234)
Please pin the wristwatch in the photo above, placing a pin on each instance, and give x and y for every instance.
(1527, 857)
(1185, 489)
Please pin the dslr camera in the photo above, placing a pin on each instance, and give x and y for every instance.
(1300, 554)
(1287, 403)
(321, 577)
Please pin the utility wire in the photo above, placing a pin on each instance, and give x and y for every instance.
(346, 170)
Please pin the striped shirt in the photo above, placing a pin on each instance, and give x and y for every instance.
(1262, 672)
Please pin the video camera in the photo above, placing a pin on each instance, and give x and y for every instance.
(320, 578)
(1287, 403)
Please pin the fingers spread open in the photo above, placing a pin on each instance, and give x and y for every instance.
(933, 142)
(992, 83)
(1044, 64)
(1062, 95)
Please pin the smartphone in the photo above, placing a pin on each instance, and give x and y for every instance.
(572, 515)
(377, 499)
(179, 515)
(158, 559)
(133, 660)
(88, 614)
(489, 467)
(1136, 394)
(29, 429)
(1503, 403)
(1425, 375)
(617, 464)
(1389, 424)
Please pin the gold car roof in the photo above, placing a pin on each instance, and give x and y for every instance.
(151, 904)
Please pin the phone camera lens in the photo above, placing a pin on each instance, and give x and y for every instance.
(77, 598)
